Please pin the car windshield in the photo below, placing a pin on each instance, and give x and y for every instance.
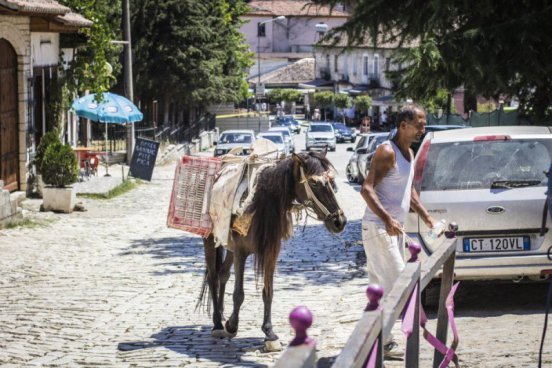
(339, 126)
(273, 137)
(320, 128)
(375, 142)
(235, 138)
(487, 164)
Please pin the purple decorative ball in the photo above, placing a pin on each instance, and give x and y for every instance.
(414, 249)
(300, 318)
(374, 292)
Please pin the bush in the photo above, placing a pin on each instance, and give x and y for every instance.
(46, 140)
(59, 165)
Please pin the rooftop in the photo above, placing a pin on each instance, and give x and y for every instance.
(298, 72)
(292, 8)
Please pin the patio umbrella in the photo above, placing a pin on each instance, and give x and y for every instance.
(114, 109)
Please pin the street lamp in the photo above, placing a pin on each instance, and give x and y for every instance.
(259, 62)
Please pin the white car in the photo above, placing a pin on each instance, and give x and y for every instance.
(491, 182)
(288, 137)
(278, 139)
(320, 135)
(235, 138)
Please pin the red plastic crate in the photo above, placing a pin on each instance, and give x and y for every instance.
(191, 194)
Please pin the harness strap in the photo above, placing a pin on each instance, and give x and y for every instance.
(311, 196)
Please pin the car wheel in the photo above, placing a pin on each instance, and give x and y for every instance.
(350, 176)
(353, 140)
(332, 149)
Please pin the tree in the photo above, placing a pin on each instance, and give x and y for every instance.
(324, 100)
(489, 47)
(342, 101)
(189, 53)
(363, 103)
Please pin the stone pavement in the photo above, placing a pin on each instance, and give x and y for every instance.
(113, 286)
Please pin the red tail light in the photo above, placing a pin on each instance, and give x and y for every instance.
(499, 137)
(420, 165)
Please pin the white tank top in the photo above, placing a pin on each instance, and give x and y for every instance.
(394, 190)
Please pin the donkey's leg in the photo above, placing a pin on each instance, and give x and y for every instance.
(271, 340)
(231, 327)
(224, 275)
(212, 280)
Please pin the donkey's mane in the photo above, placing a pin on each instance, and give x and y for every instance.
(275, 191)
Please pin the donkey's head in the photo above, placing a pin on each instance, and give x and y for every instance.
(315, 186)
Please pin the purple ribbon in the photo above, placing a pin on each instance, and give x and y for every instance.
(371, 362)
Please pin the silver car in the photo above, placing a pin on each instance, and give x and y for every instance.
(288, 137)
(491, 182)
(356, 168)
(320, 135)
(278, 139)
(235, 138)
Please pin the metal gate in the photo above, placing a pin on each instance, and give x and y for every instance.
(9, 147)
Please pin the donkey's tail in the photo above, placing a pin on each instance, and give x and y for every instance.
(201, 303)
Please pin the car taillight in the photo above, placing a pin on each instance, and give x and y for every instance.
(499, 137)
(420, 165)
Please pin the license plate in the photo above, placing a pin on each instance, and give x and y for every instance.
(503, 244)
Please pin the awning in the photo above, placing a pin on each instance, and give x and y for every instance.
(387, 100)
(317, 84)
(357, 90)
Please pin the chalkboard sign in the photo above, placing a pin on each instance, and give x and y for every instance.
(143, 159)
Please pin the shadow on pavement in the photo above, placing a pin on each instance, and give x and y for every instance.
(196, 342)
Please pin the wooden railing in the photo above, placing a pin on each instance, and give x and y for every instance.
(366, 340)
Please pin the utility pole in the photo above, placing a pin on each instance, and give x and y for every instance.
(129, 89)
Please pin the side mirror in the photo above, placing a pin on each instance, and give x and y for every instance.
(350, 149)
(214, 143)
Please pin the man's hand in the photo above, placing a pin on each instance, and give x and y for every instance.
(393, 227)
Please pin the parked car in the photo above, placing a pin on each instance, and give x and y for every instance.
(491, 182)
(320, 135)
(287, 121)
(360, 156)
(230, 139)
(344, 133)
(278, 139)
(288, 137)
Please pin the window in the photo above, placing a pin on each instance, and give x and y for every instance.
(336, 59)
(328, 62)
(376, 66)
(387, 64)
(261, 30)
(365, 65)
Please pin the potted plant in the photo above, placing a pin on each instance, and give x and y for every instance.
(59, 170)
(46, 140)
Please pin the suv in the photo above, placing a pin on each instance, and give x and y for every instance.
(491, 182)
(344, 133)
(320, 135)
(230, 139)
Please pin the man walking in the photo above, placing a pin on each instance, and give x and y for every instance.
(389, 195)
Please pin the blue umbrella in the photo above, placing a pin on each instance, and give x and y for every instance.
(113, 109)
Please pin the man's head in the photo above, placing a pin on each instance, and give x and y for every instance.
(411, 122)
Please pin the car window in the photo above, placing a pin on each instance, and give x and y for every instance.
(361, 142)
(376, 142)
(235, 138)
(476, 165)
(285, 132)
(320, 128)
(273, 138)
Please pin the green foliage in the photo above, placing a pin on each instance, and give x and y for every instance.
(491, 48)
(59, 165)
(342, 101)
(189, 52)
(89, 69)
(363, 103)
(324, 99)
(439, 101)
(288, 95)
(124, 187)
(46, 141)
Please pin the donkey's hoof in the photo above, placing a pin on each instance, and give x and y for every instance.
(273, 345)
(230, 335)
(218, 333)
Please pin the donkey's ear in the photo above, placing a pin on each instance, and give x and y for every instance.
(297, 159)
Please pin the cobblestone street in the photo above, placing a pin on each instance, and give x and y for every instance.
(113, 286)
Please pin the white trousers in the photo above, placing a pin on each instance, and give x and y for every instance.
(384, 255)
(384, 258)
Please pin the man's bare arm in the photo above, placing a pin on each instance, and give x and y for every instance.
(419, 208)
(382, 161)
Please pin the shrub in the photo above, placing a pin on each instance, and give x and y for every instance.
(46, 140)
(59, 165)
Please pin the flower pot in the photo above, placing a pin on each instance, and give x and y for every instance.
(59, 199)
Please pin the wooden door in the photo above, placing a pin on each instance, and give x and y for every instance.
(9, 140)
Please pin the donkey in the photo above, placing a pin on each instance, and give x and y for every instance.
(304, 180)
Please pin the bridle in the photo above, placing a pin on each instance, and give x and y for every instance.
(312, 201)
